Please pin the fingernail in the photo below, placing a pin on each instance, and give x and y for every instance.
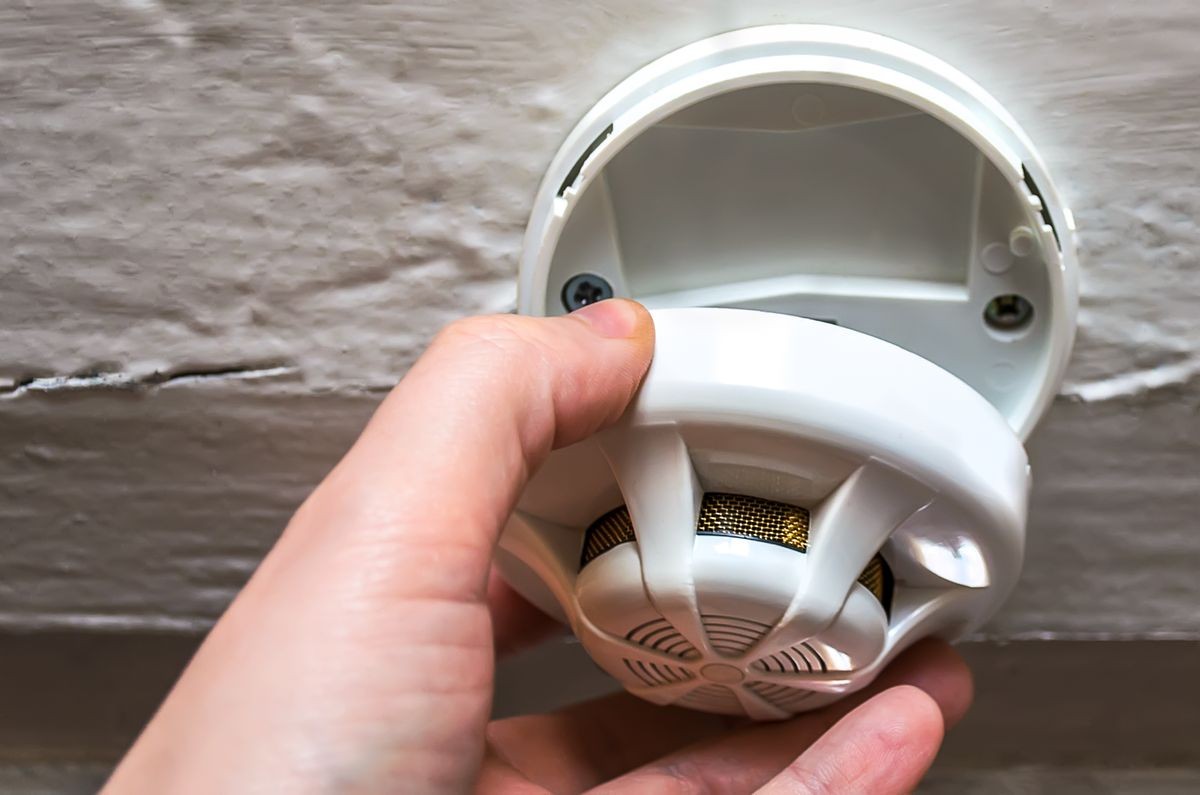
(615, 318)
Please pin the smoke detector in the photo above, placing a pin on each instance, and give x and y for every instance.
(863, 285)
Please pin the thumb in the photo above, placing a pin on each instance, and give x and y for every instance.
(361, 648)
(444, 459)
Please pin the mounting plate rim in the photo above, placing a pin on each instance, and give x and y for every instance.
(827, 55)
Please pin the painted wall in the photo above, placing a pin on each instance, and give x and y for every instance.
(226, 228)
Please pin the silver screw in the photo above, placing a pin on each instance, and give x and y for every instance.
(584, 289)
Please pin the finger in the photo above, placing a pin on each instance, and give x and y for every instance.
(516, 624)
(747, 758)
(582, 745)
(401, 534)
(884, 746)
(936, 668)
(438, 469)
(362, 645)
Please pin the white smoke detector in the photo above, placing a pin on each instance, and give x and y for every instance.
(863, 285)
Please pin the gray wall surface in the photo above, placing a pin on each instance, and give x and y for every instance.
(227, 228)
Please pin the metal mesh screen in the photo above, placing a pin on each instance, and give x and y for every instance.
(734, 515)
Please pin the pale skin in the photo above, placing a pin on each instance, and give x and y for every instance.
(360, 656)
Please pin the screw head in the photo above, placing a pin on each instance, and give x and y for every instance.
(583, 289)
(1008, 313)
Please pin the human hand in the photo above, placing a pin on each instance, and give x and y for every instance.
(360, 656)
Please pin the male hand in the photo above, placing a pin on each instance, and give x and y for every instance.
(360, 656)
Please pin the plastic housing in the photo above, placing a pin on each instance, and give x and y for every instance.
(888, 450)
(896, 280)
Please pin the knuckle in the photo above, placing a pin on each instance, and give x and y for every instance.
(480, 327)
(498, 333)
(688, 777)
(666, 780)
(504, 345)
(798, 780)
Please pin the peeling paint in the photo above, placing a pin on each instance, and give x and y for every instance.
(1131, 384)
(77, 383)
(89, 622)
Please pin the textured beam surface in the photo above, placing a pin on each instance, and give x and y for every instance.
(261, 212)
(142, 509)
(79, 697)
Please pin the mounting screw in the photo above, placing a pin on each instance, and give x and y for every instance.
(584, 289)
(1008, 313)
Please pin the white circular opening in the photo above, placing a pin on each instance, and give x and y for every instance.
(826, 173)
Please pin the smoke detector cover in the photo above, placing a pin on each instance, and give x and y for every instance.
(801, 491)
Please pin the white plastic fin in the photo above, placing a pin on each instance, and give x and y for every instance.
(665, 694)
(847, 531)
(756, 707)
(548, 549)
(838, 682)
(655, 474)
(590, 634)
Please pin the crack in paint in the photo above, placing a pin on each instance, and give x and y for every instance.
(118, 380)
(1133, 384)
(13, 621)
(1082, 636)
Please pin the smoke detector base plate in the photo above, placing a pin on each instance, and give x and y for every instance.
(825, 173)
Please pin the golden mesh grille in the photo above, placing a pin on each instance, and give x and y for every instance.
(734, 515)
(610, 530)
(875, 578)
(751, 517)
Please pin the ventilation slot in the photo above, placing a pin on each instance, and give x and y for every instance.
(788, 699)
(735, 515)
(657, 674)
(713, 698)
(660, 636)
(802, 659)
(573, 174)
(731, 636)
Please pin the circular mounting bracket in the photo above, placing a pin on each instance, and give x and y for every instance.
(825, 173)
